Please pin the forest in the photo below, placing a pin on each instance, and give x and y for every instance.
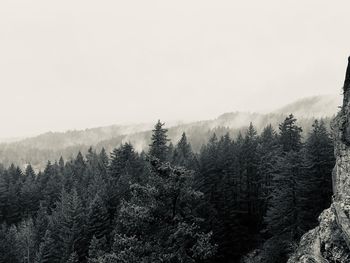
(238, 196)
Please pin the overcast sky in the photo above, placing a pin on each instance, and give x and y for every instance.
(76, 64)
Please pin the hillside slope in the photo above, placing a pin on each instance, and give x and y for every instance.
(317, 106)
(50, 146)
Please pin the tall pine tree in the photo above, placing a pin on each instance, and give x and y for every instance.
(283, 213)
(159, 142)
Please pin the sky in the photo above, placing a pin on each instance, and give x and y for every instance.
(74, 64)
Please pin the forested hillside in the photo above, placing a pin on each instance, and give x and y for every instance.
(51, 146)
(256, 190)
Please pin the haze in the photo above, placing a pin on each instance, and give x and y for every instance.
(78, 64)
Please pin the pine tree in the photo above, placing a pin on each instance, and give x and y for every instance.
(183, 154)
(92, 163)
(209, 171)
(158, 223)
(51, 184)
(26, 240)
(61, 164)
(315, 187)
(67, 227)
(68, 180)
(158, 147)
(12, 182)
(284, 208)
(250, 145)
(98, 219)
(282, 215)
(103, 163)
(79, 166)
(126, 167)
(218, 179)
(3, 198)
(91, 174)
(47, 251)
(99, 186)
(268, 152)
(13, 212)
(97, 249)
(41, 225)
(14, 174)
(29, 196)
(10, 251)
(170, 153)
(124, 160)
(207, 180)
(75, 226)
(30, 172)
(231, 231)
(290, 134)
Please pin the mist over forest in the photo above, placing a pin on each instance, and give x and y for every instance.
(52, 145)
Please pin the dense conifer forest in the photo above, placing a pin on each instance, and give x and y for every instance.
(242, 194)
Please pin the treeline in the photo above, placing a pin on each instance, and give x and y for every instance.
(170, 204)
(52, 146)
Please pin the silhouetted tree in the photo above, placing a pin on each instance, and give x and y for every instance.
(159, 145)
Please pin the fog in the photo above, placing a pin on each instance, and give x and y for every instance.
(79, 64)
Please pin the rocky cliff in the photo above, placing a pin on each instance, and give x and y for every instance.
(330, 241)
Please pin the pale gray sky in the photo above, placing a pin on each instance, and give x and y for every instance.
(75, 64)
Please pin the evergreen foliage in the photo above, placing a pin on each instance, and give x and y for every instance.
(173, 204)
(159, 145)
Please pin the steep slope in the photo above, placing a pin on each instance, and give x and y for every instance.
(330, 241)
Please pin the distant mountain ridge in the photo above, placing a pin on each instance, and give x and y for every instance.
(50, 146)
(317, 106)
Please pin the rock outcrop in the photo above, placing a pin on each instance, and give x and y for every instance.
(330, 241)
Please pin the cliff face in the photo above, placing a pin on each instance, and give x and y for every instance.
(330, 241)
